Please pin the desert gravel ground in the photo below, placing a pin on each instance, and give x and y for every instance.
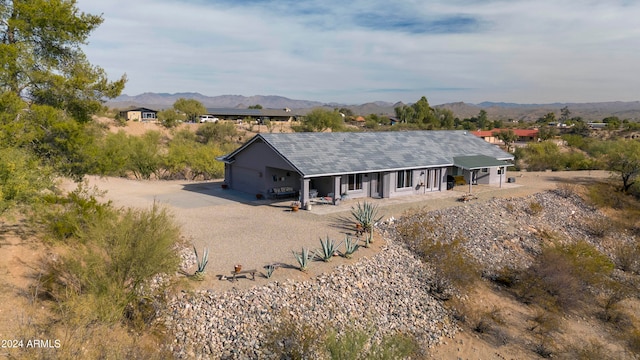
(238, 229)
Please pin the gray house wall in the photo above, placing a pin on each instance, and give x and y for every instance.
(258, 168)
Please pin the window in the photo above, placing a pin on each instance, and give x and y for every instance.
(404, 179)
(485, 170)
(355, 182)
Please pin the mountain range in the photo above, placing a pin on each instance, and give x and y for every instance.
(595, 111)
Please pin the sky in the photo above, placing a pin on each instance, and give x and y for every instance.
(357, 51)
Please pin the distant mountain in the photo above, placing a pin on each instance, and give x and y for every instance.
(495, 110)
(162, 101)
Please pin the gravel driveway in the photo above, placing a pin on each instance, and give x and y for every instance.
(237, 228)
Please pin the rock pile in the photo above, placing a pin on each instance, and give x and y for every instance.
(508, 232)
(387, 292)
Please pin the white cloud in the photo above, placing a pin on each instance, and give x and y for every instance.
(351, 52)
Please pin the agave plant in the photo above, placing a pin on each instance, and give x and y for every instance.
(202, 263)
(269, 269)
(302, 258)
(328, 249)
(366, 214)
(350, 246)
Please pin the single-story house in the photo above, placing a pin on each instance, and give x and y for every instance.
(491, 136)
(382, 164)
(262, 114)
(139, 114)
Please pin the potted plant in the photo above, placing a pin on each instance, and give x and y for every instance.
(295, 206)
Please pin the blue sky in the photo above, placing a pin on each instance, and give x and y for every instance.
(525, 51)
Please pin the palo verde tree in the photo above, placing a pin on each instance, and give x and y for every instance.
(508, 137)
(320, 120)
(48, 89)
(623, 158)
(190, 107)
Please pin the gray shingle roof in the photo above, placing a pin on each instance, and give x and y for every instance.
(474, 162)
(315, 154)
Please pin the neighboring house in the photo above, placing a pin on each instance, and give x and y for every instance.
(362, 164)
(262, 114)
(490, 136)
(139, 114)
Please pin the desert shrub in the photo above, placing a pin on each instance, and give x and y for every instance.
(293, 339)
(453, 265)
(145, 157)
(104, 275)
(358, 344)
(534, 208)
(65, 217)
(587, 350)
(219, 133)
(550, 283)
(610, 310)
(506, 276)
(627, 257)
(598, 227)
(604, 195)
(85, 339)
(633, 341)
(22, 178)
(559, 275)
(544, 323)
(566, 190)
(188, 159)
(544, 347)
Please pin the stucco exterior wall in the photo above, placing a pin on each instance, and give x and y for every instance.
(258, 168)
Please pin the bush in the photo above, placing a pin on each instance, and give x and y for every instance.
(559, 275)
(535, 208)
(22, 179)
(452, 264)
(70, 216)
(290, 338)
(105, 275)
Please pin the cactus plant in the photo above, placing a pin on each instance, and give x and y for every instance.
(328, 249)
(202, 263)
(302, 258)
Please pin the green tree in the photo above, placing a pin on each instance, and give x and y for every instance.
(41, 57)
(21, 178)
(346, 112)
(320, 120)
(257, 106)
(219, 133)
(508, 137)
(446, 118)
(547, 132)
(170, 118)
(565, 115)
(482, 120)
(190, 107)
(613, 122)
(623, 158)
(547, 118)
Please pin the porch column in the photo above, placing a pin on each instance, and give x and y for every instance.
(337, 182)
(304, 195)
